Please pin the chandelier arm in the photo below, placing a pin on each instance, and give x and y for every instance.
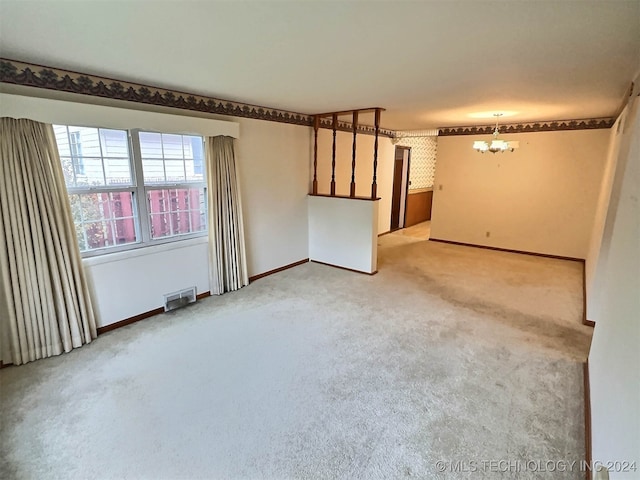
(496, 145)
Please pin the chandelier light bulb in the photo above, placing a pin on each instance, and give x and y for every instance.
(496, 144)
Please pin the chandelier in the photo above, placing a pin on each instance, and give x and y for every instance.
(496, 145)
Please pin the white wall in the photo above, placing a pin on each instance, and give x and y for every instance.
(273, 161)
(344, 232)
(364, 168)
(603, 224)
(540, 198)
(128, 283)
(614, 359)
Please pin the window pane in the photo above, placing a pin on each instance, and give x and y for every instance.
(195, 162)
(150, 145)
(104, 219)
(117, 171)
(62, 139)
(153, 170)
(92, 207)
(114, 143)
(88, 171)
(89, 139)
(176, 211)
(171, 158)
(172, 146)
(187, 146)
(76, 212)
(93, 157)
(175, 171)
(67, 170)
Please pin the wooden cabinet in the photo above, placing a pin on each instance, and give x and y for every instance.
(418, 206)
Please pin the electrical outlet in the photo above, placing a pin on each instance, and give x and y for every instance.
(488, 234)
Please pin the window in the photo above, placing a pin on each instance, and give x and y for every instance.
(128, 189)
(75, 148)
(174, 183)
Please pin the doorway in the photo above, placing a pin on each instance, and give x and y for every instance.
(400, 187)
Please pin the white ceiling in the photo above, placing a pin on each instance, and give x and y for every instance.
(429, 63)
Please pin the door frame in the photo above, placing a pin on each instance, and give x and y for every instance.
(404, 192)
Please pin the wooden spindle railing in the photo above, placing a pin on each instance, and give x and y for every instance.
(316, 126)
(352, 190)
(333, 157)
(374, 185)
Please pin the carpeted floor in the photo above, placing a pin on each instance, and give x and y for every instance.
(449, 354)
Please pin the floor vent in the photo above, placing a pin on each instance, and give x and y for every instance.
(179, 299)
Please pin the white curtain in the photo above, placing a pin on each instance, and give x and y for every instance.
(227, 257)
(45, 308)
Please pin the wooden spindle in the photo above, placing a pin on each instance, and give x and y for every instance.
(374, 185)
(316, 126)
(333, 159)
(352, 192)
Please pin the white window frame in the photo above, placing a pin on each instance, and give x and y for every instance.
(138, 190)
(142, 189)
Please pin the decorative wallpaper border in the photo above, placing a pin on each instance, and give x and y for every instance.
(39, 76)
(31, 75)
(551, 126)
(400, 134)
(347, 127)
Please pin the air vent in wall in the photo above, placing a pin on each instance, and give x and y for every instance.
(179, 299)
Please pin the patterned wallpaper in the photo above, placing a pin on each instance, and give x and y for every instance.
(423, 157)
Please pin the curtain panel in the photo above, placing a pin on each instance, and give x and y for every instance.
(45, 305)
(227, 256)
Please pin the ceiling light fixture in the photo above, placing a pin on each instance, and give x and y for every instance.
(496, 145)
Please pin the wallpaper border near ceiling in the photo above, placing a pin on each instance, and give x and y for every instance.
(61, 80)
(550, 126)
(50, 78)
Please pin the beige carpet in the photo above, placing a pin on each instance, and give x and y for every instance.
(448, 354)
(421, 230)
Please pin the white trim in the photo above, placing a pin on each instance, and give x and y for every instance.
(72, 113)
(404, 186)
(143, 250)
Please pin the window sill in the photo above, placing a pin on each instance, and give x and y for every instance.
(142, 250)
